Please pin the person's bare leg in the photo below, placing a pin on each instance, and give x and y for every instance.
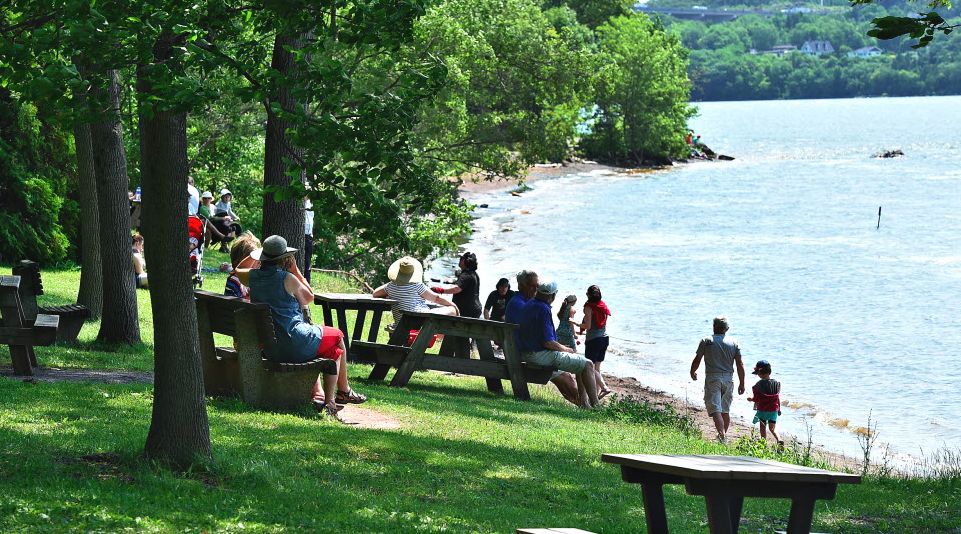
(318, 391)
(567, 387)
(727, 421)
(590, 383)
(342, 383)
(774, 433)
(763, 426)
(601, 384)
(718, 418)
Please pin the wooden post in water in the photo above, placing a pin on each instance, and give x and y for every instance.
(879, 218)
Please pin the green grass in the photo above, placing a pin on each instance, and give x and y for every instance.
(464, 461)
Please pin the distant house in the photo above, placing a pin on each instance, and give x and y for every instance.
(866, 51)
(816, 48)
(781, 50)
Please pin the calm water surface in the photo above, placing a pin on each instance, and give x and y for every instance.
(857, 321)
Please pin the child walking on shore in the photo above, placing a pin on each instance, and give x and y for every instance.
(766, 399)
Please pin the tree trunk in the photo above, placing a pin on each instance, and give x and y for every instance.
(91, 276)
(179, 429)
(284, 218)
(119, 322)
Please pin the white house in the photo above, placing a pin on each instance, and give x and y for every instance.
(866, 51)
(816, 48)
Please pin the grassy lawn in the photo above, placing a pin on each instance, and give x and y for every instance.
(464, 461)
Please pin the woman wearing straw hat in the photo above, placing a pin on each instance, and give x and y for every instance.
(279, 284)
(407, 288)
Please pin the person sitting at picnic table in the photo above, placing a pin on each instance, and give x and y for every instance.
(407, 289)
(139, 263)
(242, 263)
(526, 288)
(466, 288)
(224, 209)
(213, 235)
(279, 284)
(539, 344)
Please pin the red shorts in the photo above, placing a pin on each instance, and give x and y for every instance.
(328, 349)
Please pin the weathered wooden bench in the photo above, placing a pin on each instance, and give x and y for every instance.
(341, 303)
(243, 370)
(20, 334)
(72, 316)
(454, 353)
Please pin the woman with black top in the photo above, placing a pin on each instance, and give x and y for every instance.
(466, 289)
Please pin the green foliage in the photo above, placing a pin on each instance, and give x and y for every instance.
(631, 409)
(38, 211)
(642, 94)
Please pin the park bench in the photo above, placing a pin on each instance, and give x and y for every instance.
(72, 316)
(362, 303)
(725, 481)
(20, 334)
(243, 370)
(454, 353)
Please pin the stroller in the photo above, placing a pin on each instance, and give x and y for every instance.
(196, 230)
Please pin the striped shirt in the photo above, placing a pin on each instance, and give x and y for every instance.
(408, 297)
(234, 288)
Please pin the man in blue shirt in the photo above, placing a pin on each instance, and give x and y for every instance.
(538, 344)
(526, 288)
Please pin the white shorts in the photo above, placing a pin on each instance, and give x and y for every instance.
(718, 393)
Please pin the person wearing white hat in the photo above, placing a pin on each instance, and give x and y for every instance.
(279, 284)
(213, 233)
(538, 344)
(407, 289)
(225, 210)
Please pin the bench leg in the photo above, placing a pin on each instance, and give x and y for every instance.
(723, 512)
(515, 368)
(487, 354)
(802, 515)
(379, 372)
(24, 359)
(415, 357)
(654, 512)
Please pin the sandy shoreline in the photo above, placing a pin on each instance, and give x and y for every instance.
(624, 386)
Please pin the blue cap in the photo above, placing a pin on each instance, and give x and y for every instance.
(761, 366)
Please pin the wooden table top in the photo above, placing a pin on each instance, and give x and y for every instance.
(351, 298)
(706, 467)
(459, 319)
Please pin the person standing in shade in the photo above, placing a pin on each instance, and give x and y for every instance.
(497, 301)
(596, 340)
(308, 238)
(526, 288)
(721, 355)
(466, 289)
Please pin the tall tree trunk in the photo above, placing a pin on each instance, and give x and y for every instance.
(284, 218)
(119, 322)
(179, 429)
(91, 277)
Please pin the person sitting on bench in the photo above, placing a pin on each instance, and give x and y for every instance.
(241, 262)
(279, 284)
(407, 288)
(139, 263)
(539, 344)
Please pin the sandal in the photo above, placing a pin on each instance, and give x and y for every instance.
(321, 406)
(603, 393)
(350, 397)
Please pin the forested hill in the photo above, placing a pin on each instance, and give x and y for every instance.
(735, 59)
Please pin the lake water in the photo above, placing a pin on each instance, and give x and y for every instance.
(857, 321)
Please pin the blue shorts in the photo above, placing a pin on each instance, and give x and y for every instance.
(768, 417)
(595, 349)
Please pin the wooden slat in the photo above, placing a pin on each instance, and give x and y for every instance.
(705, 467)
(467, 367)
(9, 291)
(353, 299)
(464, 320)
(225, 353)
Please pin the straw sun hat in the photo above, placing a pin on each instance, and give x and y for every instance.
(406, 270)
(275, 247)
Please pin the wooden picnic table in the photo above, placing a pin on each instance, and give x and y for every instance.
(454, 354)
(724, 481)
(359, 302)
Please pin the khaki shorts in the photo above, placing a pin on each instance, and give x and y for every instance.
(565, 361)
(718, 393)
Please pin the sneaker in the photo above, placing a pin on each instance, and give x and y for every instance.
(721, 438)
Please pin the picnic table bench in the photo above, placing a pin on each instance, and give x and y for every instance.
(20, 333)
(341, 303)
(724, 481)
(243, 370)
(454, 353)
(72, 316)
